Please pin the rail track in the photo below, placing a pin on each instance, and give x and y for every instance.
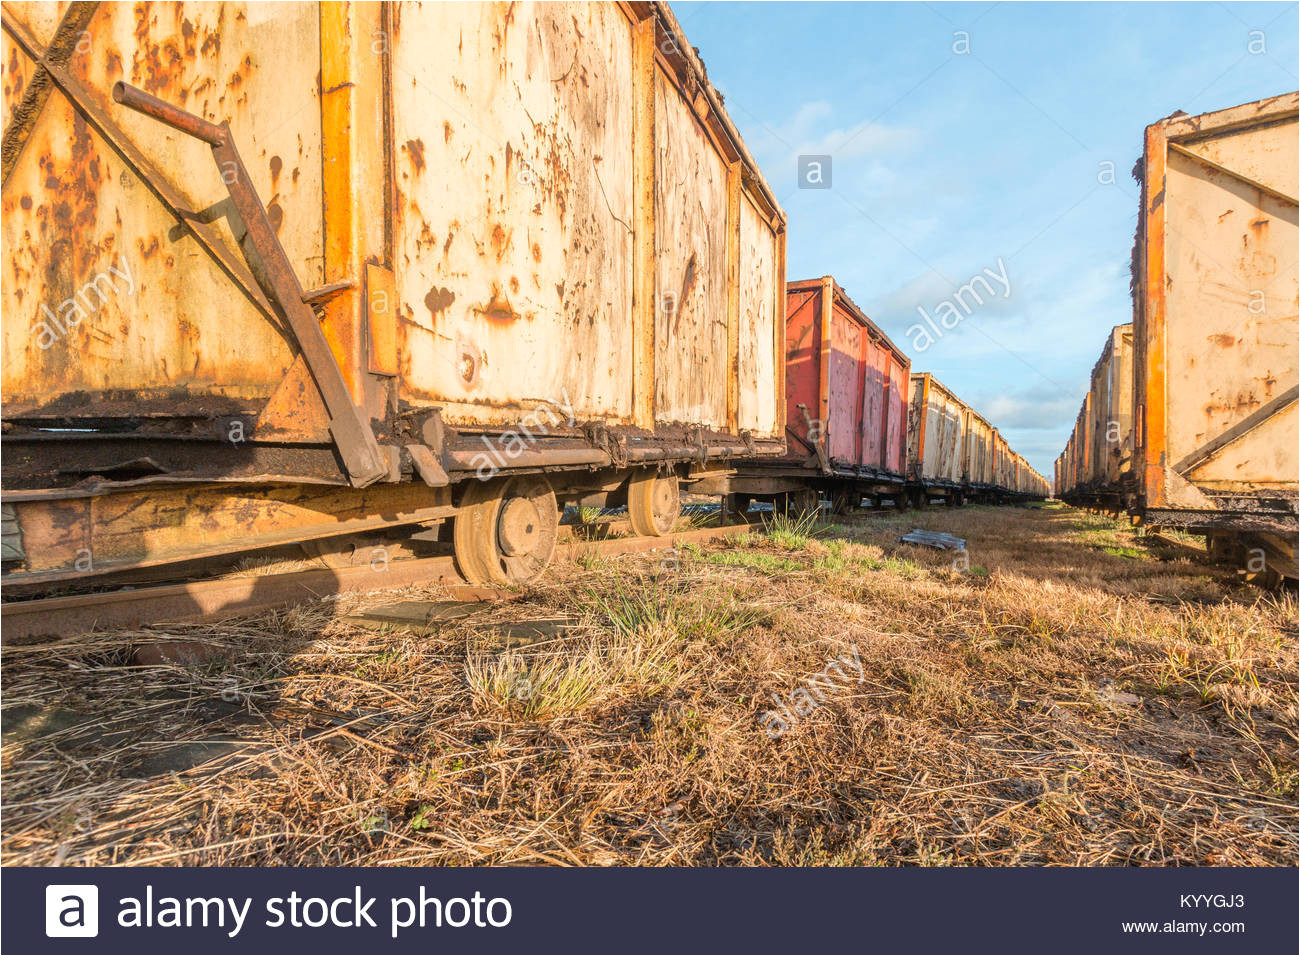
(29, 621)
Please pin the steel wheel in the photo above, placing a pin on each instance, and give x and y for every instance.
(653, 503)
(843, 502)
(506, 530)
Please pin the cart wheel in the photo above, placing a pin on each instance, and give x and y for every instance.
(653, 503)
(900, 501)
(506, 529)
(842, 502)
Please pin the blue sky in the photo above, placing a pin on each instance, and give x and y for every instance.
(944, 162)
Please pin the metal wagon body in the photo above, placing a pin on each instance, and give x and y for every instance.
(1215, 331)
(292, 271)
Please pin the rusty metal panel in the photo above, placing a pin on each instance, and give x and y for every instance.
(483, 153)
(523, 137)
(875, 410)
(759, 320)
(844, 424)
(1227, 244)
(1110, 412)
(978, 452)
(381, 320)
(107, 299)
(896, 428)
(16, 72)
(691, 217)
(153, 526)
(936, 418)
(856, 376)
(1002, 462)
(802, 366)
(1216, 318)
(513, 155)
(1118, 437)
(40, 16)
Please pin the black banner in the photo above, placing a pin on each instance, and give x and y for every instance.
(150, 910)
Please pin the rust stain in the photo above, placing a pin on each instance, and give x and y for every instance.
(14, 80)
(537, 252)
(438, 301)
(426, 238)
(468, 363)
(276, 164)
(147, 251)
(415, 147)
(65, 227)
(689, 281)
(500, 241)
(1222, 340)
(446, 132)
(498, 309)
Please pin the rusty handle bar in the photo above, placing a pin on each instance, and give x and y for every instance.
(173, 116)
(363, 459)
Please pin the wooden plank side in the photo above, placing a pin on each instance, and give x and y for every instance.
(1231, 307)
(514, 175)
(758, 318)
(691, 267)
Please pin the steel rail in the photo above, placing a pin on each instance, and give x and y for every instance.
(25, 622)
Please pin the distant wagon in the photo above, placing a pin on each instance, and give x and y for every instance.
(1208, 439)
(845, 385)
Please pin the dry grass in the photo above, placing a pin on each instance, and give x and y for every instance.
(1064, 696)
